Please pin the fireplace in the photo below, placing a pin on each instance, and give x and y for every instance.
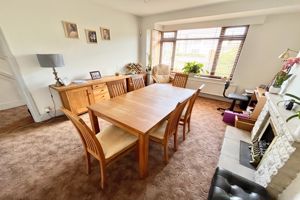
(278, 146)
(262, 143)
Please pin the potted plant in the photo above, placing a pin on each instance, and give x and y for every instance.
(279, 79)
(294, 100)
(193, 68)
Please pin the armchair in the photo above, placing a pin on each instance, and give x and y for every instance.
(161, 73)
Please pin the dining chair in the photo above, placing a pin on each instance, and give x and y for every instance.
(106, 146)
(138, 82)
(116, 88)
(168, 129)
(185, 118)
(180, 80)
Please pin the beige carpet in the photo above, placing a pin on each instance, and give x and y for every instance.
(45, 161)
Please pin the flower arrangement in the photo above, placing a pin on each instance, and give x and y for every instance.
(289, 63)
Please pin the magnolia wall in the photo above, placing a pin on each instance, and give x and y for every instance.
(34, 26)
(259, 62)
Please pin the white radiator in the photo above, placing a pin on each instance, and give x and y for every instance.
(212, 86)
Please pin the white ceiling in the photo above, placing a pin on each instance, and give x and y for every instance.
(149, 7)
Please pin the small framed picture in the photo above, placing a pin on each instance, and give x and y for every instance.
(105, 33)
(95, 75)
(91, 36)
(70, 29)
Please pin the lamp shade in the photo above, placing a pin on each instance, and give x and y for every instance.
(51, 60)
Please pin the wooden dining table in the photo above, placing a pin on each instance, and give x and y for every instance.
(138, 112)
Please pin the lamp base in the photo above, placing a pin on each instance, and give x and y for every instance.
(59, 83)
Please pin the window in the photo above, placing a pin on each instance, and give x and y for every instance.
(218, 49)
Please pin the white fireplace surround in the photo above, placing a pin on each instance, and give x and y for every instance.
(281, 163)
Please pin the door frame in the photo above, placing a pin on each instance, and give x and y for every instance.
(20, 83)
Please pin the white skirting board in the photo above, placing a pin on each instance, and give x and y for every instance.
(12, 104)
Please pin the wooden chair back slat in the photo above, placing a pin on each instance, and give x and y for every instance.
(180, 80)
(173, 120)
(116, 88)
(92, 145)
(192, 102)
(138, 82)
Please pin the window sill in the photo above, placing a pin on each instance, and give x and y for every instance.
(207, 79)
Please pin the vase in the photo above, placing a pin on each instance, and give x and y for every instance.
(274, 90)
(149, 78)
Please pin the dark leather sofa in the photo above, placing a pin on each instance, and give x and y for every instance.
(228, 186)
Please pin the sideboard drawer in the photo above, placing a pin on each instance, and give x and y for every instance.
(100, 91)
(101, 97)
(99, 86)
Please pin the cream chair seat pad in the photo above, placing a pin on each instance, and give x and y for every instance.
(159, 132)
(113, 140)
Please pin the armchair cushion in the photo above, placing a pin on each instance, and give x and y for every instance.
(161, 73)
(163, 78)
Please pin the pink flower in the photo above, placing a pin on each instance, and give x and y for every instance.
(289, 63)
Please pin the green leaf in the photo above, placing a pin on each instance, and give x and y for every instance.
(293, 96)
(291, 117)
(296, 102)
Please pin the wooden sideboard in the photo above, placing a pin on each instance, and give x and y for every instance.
(76, 97)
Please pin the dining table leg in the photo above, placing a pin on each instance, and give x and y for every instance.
(94, 122)
(143, 154)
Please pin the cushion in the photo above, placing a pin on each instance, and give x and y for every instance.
(115, 140)
(226, 186)
(163, 70)
(161, 73)
(159, 132)
(163, 78)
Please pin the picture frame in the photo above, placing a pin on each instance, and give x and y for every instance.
(105, 33)
(71, 30)
(91, 36)
(95, 75)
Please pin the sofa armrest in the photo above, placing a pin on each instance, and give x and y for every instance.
(226, 184)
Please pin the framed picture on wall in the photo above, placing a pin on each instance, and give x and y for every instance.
(91, 36)
(95, 75)
(105, 33)
(71, 30)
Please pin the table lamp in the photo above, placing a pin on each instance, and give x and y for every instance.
(52, 60)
